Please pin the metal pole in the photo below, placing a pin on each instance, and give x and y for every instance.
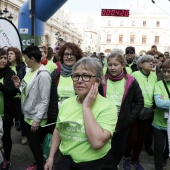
(33, 22)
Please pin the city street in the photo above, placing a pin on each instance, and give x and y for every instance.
(21, 155)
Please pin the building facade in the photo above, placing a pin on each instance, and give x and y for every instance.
(138, 30)
(56, 28)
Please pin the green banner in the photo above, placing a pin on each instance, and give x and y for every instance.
(26, 40)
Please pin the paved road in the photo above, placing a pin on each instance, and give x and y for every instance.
(21, 155)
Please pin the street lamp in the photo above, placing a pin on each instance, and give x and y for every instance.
(4, 13)
(1, 13)
(10, 17)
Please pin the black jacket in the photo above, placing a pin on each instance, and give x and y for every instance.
(131, 106)
(53, 105)
(21, 70)
(9, 92)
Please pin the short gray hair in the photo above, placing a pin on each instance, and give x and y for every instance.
(143, 59)
(118, 51)
(92, 64)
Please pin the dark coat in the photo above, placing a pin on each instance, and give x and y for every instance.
(134, 67)
(53, 105)
(132, 104)
(21, 70)
(9, 92)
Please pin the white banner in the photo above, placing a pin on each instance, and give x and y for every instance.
(9, 35)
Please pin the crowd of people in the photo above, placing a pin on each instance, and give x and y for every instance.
(99, 109)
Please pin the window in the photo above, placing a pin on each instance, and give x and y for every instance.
(133, 23)
(143, 39)
(156, 40)
(132, 39)
(144, 23)
(121, 23)
(120, 39)
(109, 23)
(157, 24)
(108, 40)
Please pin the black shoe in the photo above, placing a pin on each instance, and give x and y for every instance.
(17, 126)
(149, 151)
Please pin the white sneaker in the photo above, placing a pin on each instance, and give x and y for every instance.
(24, 140)
(1, 144)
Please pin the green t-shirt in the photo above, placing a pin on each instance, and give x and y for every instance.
(26, 80)
(159, 119)
(70, 125)
(50, 66)
(13, 68)
(65, 88)
(104, 70)
(128, 70)
(115, 91)
(146, 84)
(1, 101)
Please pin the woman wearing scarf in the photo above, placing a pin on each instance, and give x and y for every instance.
(124, 91)
(62, 84)
(7, 93)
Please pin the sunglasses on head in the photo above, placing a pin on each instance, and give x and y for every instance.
(130, 52)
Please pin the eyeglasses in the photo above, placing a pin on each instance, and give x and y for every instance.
(69, 55)
(84, 77)
(148, 61)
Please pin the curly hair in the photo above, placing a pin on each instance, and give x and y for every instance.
(77, 52)
(18, 54)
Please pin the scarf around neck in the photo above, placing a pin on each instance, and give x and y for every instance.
(66, 71)
(117, 78)
(44, 62)
(4, 71)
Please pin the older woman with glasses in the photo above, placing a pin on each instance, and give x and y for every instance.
(85, 122)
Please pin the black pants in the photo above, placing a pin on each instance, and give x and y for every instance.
(136, 138)
(161, 151)
(6, 138)
(149, 138)
(21, 116)
(118, 146)
(67, 163)
(35, 141)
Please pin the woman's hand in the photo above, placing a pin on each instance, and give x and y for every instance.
(35, 126)
(16, 81)
(91, 96)
(49, 164)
